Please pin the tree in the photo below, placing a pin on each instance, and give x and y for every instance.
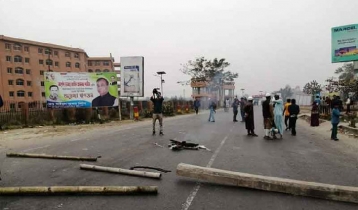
(212, 71)
(346, 72)
(312, 88)
(285, 92)
(347, 82)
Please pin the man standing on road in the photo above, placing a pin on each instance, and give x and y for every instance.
(267, 112)
(294, 110)
(212, 107)
(286, 113)
(157, 100)
(235, 107)
(242, 111)
(335, 121)
(249, 117)
(278, 114)
(196, 105)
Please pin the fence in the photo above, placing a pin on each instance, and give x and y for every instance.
(36, 113)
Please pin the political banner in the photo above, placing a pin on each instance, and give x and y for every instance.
(81, 89)
(345, 43)
(132, 76)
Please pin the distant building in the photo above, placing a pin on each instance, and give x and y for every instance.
(24, 62)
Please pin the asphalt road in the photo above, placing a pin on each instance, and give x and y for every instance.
(308, 156)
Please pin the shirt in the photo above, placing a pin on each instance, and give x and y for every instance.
(287, 113)
(158, 105)
(335, 116)
(106, 100)
(267, 109)
(294, 110)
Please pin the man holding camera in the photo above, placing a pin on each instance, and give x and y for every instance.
(157, 100)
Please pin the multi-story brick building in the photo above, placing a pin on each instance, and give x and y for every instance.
(24, 62)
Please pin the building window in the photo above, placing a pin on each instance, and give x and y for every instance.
(48, 51)
(7, 46)
(56, 63)
(67, 54)
(19, 82)
(41, 72)
(42, 83)
(12, 106)
(106, 70)
(17, 47)
(26, 49)
(90, 63)
(98, 70)
(55, 53)
(29, 83)
(20, 93)
(43, 94)
(41, 61)
(98, 63)
(28, 71)
(105, 63)
(77, 55)
(68, 64)
(49, 62)
(29, 94)
(19, 70)
(90, 70)
(40, 50)
(27, 60)
(17, 59)
(9, 70)
(11, 94)
(77, 65)
(8, 58)
(11, 82)
(44, 105)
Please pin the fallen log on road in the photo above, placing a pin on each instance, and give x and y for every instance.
(27, 155)
(89, 190)
(274, 184)
(121, 171)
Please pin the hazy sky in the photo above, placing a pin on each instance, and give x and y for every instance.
(270, 43)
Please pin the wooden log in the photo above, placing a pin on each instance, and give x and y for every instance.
(56, 190)
(121, 171)
(27, 155)
(289, 186)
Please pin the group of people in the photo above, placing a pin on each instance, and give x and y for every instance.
(272, 111)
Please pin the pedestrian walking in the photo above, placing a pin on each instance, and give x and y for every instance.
(196, 105)
(314, 115)
(335, 121)
(249, 117)
(242, 111)
(287, 114)
(235, 106)
(267, 112)
(294, 110)
(212, 107)
(278, 110)
(157, 100)
(349, 102)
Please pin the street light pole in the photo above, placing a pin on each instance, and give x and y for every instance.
(161, 80)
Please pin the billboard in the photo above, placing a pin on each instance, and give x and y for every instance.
(132, 76)
(81, 90)
(345, 43)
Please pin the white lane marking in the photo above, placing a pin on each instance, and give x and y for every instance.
(30, 149)
(75, 140)
(195, 190)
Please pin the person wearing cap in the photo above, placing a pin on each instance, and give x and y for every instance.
(267, 112)
(278, 110)
(242, 111)
(249, 117)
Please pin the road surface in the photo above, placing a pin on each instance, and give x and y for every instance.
(309, 156)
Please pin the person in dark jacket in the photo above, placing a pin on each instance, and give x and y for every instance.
(267, 112)
(157, 100)
(294, 110)
(242, 111)
(249, 118)
(235, 107)
(335, 121)
(196, 105)
(104, 98)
